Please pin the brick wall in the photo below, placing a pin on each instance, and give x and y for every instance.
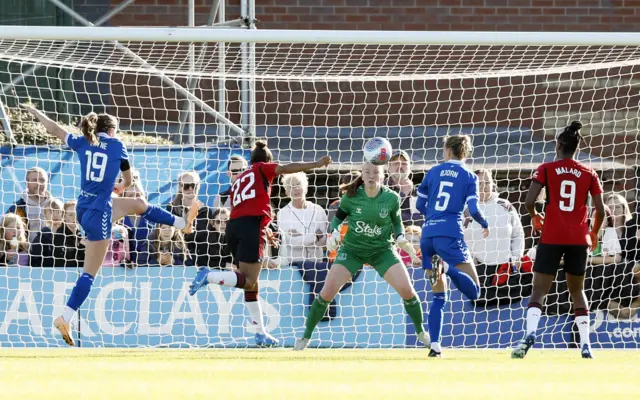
(479, 15)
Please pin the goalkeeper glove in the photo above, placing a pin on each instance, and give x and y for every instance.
(405, 245)
(334, 240)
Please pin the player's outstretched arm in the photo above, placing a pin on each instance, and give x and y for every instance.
(300, 167)
(50, 125)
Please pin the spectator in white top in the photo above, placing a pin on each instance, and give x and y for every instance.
(32, 205)
(303, 227)
(499, 254)
(235, 166)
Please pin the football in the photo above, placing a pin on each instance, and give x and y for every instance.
(377, 151)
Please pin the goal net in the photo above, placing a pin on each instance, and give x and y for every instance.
(188, 103)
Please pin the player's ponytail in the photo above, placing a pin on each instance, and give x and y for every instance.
(570, 137)
(352, 187)
(261, 153)
(460, 146)
(88, 127)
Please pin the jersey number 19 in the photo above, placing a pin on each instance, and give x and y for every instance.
(243, 188)
(96, 165)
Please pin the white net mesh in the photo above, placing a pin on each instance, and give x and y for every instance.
(312, 100)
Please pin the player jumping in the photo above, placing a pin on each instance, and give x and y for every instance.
(375, 229)
(247, 230)
(565, 237)
(442, 196)
(102, 157)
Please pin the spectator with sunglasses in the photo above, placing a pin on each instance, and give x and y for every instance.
(188, 188)
(235, 166)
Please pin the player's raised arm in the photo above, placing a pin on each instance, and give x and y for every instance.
(303, 166)
(50, 125)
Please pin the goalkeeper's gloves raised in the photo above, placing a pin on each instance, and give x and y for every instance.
(407, 246)
(334, 240)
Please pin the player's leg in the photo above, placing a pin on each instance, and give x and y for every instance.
(459, 266)
(436, 315)
(339, 274)
(397, 276)
(138, 206)
(575, 267)
(98, 238)
(545, 269)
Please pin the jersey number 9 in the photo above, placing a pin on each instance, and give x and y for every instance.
(96, 165)
(568, 194)
(243, 188)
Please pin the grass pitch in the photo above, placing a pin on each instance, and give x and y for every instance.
(314, 374)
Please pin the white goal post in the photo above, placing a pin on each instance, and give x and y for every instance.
(315, 93)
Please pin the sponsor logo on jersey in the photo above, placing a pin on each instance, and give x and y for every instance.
(341, 257)
(358, 210)
(384, 213)
(362, 228)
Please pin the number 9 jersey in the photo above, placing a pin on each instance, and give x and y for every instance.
(101, 164)
(568, 184)
(250, 194)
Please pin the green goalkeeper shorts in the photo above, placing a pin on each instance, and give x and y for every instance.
(381, 260)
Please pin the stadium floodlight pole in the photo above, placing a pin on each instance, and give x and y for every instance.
(193, 81)
(170, 82)
(99, 22)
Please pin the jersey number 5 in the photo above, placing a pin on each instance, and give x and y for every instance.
(444, 196)
(568, 194)
(247, 191)
(96, 165)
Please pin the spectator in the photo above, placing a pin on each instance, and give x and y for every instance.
(303, 227)
(188, 187)
(412, 233)
(139, 228)
(235, 166)
(118, 254)
(31, 206)
(400, 181)
(42, 246)
(498, 255)
(68, 249)
(167, 246)
(333, 207)
(212, 249)
(13, 241)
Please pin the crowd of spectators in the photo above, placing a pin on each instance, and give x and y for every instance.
(40, 230)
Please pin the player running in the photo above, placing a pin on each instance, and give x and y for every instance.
(247, 230)
(375, 229)
(102, 157)
(565, 235)
(442, 196)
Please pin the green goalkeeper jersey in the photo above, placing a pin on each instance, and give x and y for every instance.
(373, 222)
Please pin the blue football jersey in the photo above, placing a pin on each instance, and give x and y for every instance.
(100, 165)
(446, 188)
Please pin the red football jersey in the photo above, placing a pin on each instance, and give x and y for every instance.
(250, 194)
(568, 184)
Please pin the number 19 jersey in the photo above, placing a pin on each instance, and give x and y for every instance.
(100, 165)
(250, 194)
(568, 184)
(447, 187)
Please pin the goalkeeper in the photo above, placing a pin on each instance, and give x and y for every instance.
(375, 229)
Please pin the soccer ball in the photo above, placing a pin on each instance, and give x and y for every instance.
(377, 151)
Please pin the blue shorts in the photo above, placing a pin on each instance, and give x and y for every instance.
(96, 223)
(453, 251)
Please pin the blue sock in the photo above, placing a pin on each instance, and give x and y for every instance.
(436, 312)
(159, 215)
(80, 291)
(464, 283)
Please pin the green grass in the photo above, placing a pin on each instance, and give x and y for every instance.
(314, 374)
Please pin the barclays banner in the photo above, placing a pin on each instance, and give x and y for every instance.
(151, 307)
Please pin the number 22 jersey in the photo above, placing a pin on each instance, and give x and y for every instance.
(568, 184)
(250, 194)
(100, 165)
